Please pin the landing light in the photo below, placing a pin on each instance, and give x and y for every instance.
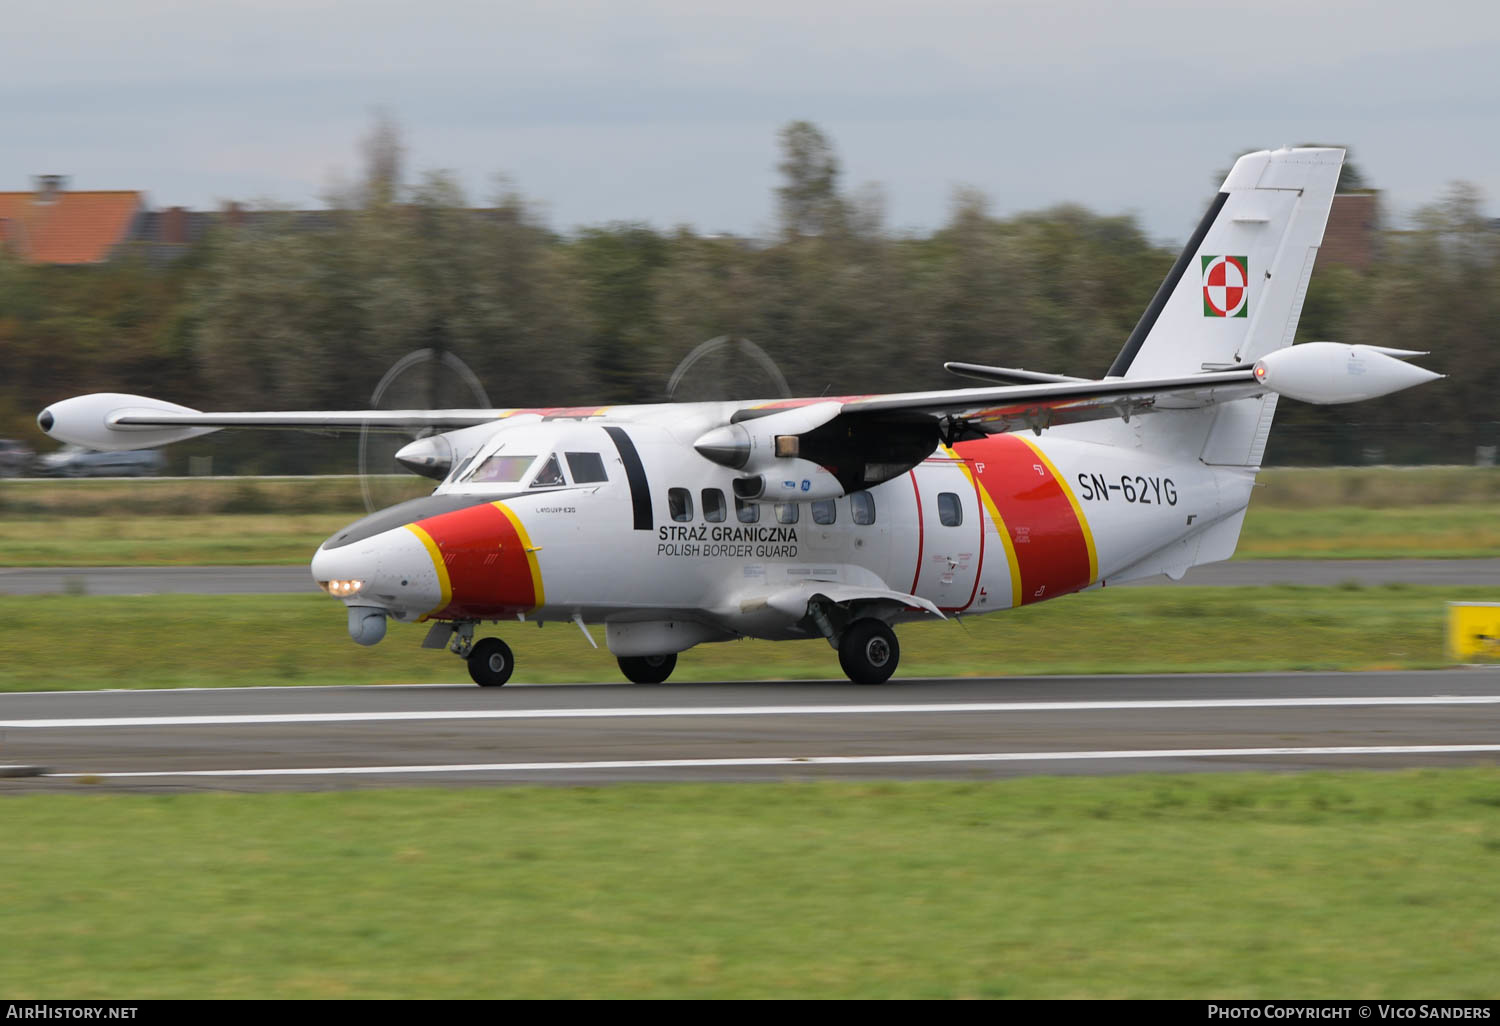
(341, 589)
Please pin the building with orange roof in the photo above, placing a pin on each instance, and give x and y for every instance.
(1352, 237)
(52, 225)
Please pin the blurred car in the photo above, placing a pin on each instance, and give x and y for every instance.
(76, 461)
(15, 457)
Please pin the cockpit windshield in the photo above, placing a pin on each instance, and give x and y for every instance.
(501, 468)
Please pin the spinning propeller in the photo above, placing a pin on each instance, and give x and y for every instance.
(426, 379)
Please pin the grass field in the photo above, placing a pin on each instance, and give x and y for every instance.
(67, 642)
(1380, 513)
(1355, 885)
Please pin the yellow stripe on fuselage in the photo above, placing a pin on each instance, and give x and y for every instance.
(444, 585)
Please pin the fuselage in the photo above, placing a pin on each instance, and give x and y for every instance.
(615, 522)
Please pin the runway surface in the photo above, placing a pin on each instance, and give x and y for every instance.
(340, 737)
(274, 580)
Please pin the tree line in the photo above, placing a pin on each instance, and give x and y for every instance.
(277, 315)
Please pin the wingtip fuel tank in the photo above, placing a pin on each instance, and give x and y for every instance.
(93, 421)
(1331, 372)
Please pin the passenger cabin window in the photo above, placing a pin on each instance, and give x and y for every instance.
(586, 467)
(746, 512)
(862, 506)
(786, 512)
(680, 504)
(824, 511)
(551, 475)
(714, 509)
(502, 469)
(950, 510)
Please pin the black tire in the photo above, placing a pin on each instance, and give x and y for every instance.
(491, 662)
(869, 652)
(647, 669)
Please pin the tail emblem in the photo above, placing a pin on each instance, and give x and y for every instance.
(1226, 286)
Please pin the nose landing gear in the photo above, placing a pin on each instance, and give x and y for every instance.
(490, 660)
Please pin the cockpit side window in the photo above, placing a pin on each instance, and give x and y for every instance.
(502, 468)
(586, 467)
(551, 475)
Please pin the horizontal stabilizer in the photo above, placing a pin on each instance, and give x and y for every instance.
(1013, 375)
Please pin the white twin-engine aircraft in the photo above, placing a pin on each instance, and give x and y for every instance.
(678, 524)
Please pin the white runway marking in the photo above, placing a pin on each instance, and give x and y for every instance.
(458, 684)
(251, 719)
(817, 760)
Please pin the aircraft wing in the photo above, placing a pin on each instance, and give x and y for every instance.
(113, 420)
(1314, 372)
(312, 420)
(1036, 406)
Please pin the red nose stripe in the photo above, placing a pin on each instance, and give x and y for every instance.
(487, 563)
(1044, 528)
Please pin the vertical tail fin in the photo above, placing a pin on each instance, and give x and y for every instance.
(1236, 291)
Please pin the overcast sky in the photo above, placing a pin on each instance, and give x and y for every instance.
(667, 111)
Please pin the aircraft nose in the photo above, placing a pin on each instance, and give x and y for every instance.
(392, 571)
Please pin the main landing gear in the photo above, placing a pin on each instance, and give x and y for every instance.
(868, 651)
(651, 669)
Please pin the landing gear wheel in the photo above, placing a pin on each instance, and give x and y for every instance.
(491, 662)
(868, 651)
(648, 669)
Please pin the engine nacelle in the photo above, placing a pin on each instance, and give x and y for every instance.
(757, 444)
(817, 451)
(789, 481)
(1331, 372)
(435, 455)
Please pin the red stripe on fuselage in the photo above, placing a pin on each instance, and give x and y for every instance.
(486, 560)
(916, 495)
(1048, 540)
